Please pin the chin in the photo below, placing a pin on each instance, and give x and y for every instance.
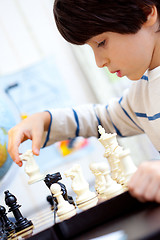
(134, 78)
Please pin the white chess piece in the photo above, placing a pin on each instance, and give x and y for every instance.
(65, 209)
(121, 165)
(114, 161)
(112, 150)
(107, 139)
(112, 188)
(127, 165)
(85, 198)
(100, 181)
(31, 167)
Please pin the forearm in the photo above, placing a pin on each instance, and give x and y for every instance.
(84, 120)
(80, 121)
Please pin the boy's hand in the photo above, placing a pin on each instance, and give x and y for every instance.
(30, 128)
(145, 183)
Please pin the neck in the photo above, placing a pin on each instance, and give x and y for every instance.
(156, 52)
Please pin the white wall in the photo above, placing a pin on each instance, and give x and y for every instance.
(28, 34)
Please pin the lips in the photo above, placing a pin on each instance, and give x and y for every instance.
(118, 73)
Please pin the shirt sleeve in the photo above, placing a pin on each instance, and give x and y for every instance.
(118, 116)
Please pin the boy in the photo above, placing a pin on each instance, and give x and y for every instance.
(124, 36)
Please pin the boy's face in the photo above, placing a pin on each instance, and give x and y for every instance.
(128, 55)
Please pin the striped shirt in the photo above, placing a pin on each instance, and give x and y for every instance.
(136, 112)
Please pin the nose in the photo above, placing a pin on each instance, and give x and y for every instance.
(101, 61)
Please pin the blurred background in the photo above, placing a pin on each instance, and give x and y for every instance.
(39, 70)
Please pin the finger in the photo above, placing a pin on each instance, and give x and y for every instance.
(157, 197)
(140, 198)
(36, 141)
(20, 163)
(151, 190)
(13, 148)
(138, 178)
(139, 187)
(134, 180)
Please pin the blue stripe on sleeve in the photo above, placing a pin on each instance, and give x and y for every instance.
(117, 130)
(49, 130)
(150, 118)
(120, 100)
(144, 77)
(141, 115)
(99, 122)
(77, 121)
(128, 114)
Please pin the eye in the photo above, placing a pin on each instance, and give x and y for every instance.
(101, 44)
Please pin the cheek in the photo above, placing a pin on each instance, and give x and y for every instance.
(134, 56)
(141, 50)
(119, 53)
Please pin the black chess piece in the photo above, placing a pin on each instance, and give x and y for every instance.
(21, 222)
(7, 224)
(3, 233)
(50, 200)
(54, 178)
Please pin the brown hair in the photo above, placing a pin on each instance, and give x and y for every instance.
(80, 20)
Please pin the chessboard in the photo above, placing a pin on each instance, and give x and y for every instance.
(110, 215)
(107, 208)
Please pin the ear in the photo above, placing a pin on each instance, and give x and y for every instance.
(152, 17)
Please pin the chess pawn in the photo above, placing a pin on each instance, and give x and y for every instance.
(31, 168)
(127, 165)
(112, 188)
(54, 178)
(85, 199)
(65, 209)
